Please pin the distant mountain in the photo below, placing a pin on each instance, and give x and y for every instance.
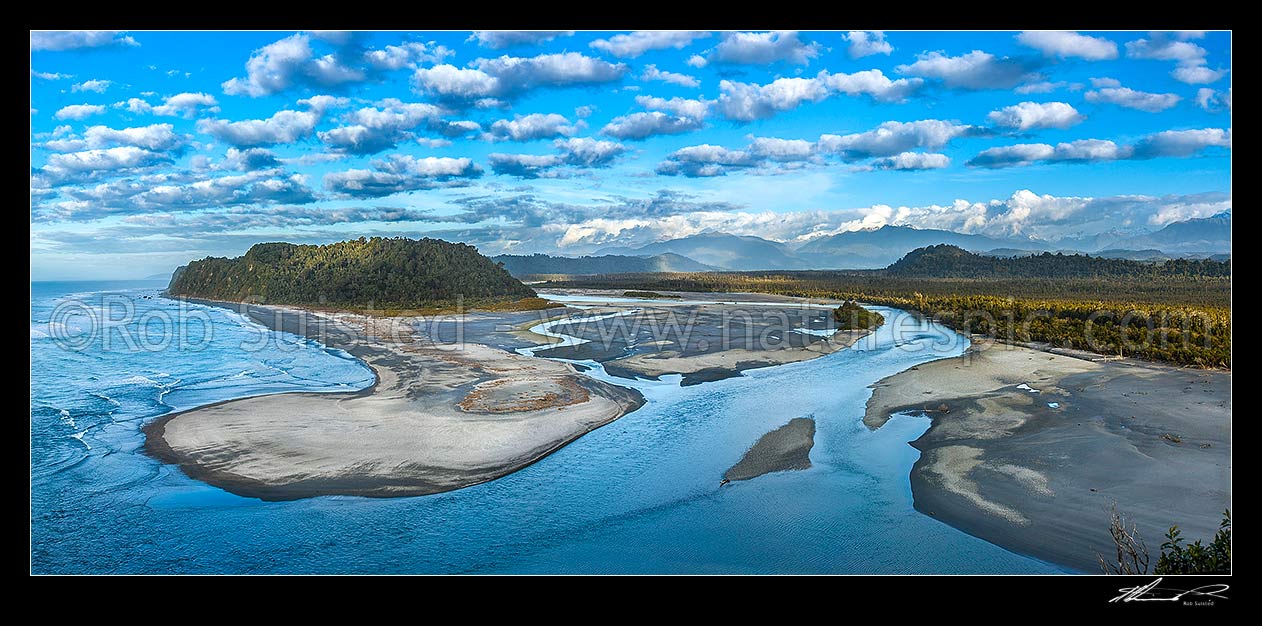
(1208, 235)
(721, 250)
(881, 246)
(1133, 255)
(521, 265)
(946, 261)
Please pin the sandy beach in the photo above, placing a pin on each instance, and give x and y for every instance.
(438, 418)
(1029, 449)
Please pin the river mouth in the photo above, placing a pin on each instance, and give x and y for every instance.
(638, 495)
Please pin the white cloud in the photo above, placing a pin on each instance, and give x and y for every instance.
(745, 102)
(283, 127)
(1162, 48)
(892, 138)
(975, 70)
(1190, 59)
(1197, 74)
(1131, 99)
(101, 160)
(785, 150)
(1067, 43)
(578, 152)
(506, 76)
(1047, 87)
(913, 161)
(531, 127)
(872, 83)
(78, 111)
(1182, 143)
(97, 85)
(683, 107)
(705, 160)
(1105, 81)
(406, 55)
(156, 138)
(500, 39)
(867, 43)
(1171, 143)
(634, 44)
(370, 130)
(637, 126)
(75, 39)
(696, 60)
(652, 73)
(184, 105)
(285, 63)
(764, 48)
(399, 174)
(1027, 115)
(50, 75)
(1211, 100)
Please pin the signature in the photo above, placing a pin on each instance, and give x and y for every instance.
(1152, 593)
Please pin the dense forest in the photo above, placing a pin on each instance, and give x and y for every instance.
(377, 273)
(851, 316)
(947, 261)
(542, 264)
(1182, 318)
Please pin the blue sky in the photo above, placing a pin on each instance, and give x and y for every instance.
(149, 149)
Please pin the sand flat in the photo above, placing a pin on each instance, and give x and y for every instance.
(1002, 463)
(438, 418)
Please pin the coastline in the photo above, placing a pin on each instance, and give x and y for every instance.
(1029, 449)
(248, 445)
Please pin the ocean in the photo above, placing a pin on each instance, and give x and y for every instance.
(640, 495)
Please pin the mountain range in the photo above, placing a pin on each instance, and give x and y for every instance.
(523, 265)
(879, 247)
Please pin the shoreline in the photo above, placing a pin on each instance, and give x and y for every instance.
(233, 452)
(1028, 449)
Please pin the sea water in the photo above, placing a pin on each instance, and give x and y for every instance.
(639, 495)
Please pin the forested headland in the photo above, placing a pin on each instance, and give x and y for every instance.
(360, 274)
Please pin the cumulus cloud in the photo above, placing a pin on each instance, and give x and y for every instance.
(78, 111)
(1190, 59)
(741, 48)
(399, 174)
(1197, 74)
(97, 85)
(784, 150)
(892, 138)
(372, 129)
(532, 127)
(508, 77)
(705, 160)
(1132, 99)
(572, 155)
(867, 43)
(975, 70)
(76, 39)
(500, 39)
(1105, 81)
(634, 44)
(746, 102)
(638, 126)
(293, 62)
(186, 105)
(1211, 100)
(282, 127)
(1028, 115)
(872, 83)
(156, 138)
(652, 73)
(1182, 143)
(1175, 143)
(1067, 43)
(912, 161)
